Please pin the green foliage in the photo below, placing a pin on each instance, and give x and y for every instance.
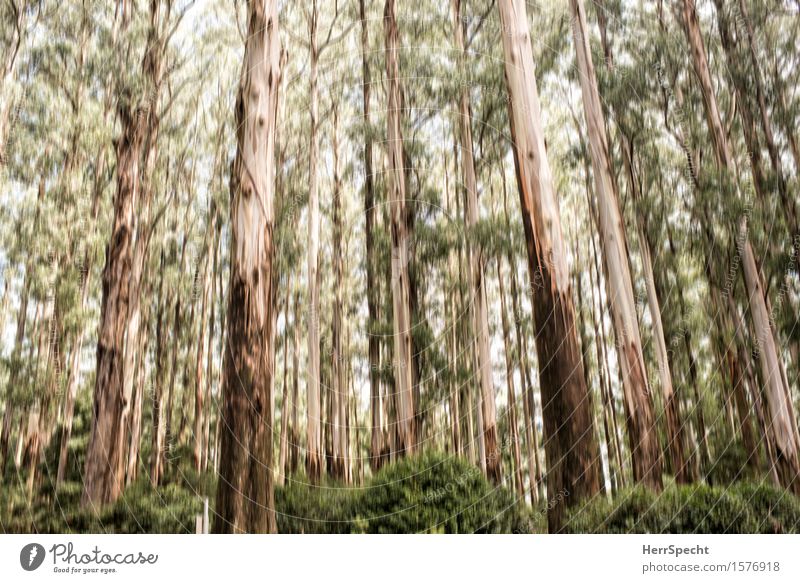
(431, 493)
(731, 465)
(745, 507)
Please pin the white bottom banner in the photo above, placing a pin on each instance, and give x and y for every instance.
(401, 558)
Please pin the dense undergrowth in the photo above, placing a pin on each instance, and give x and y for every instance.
(742, 507)
(431, 493)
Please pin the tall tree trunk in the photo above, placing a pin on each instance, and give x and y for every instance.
(640, 418)
(675, 437)
(789, 205)
(283, 448)
(140, 388)
(369, 216)
(570, 442)
(157, 430)
(210, 349)
(245, 498)
(105, 457)
(339, 369)
(313, 410)
(396, 188)
(779, 405)
(295, 433)
(478, 286)
(512, 398)
(8, 97)
(531, 432)
(199, 386)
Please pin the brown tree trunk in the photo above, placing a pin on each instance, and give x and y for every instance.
(295, 433)
(570, 442)
(105, 457)
(372, 286)
(396, 189)
(245, 499)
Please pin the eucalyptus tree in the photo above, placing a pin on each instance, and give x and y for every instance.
(570, 442)
(245, 498)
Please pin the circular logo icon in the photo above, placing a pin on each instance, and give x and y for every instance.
(31, 556)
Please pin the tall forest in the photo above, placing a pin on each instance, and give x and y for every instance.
(370, 266)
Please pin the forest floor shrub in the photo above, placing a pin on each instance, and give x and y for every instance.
(744, 507)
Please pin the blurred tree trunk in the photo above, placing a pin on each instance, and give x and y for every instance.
(313, 397)
(295, 432)
(283, 448)
(396, 188)
(772, 375)
(210, 349)
(245, 498)
(369, 226)
(199, 386)
(641, 422)
(512, 398)
(339, 370)
(569, 437)
(157, 418)
(478, 286)
(105, 457)
(19, 336)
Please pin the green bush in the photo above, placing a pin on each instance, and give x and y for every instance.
(730, 466)
(745, 507)
(431, 493)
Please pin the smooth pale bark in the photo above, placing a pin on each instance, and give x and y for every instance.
(779, 406)
(640, 417)
(396, 191)
(478, 286)
(245, 497)
(570, 443)
(140, 379)
(313, 405)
